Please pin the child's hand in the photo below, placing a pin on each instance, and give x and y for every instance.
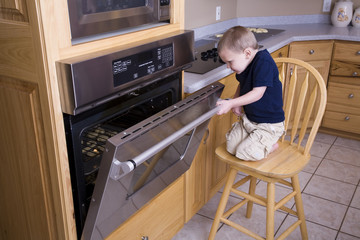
(225, 106)
(237, 111)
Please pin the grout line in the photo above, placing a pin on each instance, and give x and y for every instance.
(342, 222)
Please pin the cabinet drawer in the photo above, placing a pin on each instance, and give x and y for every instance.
(347, 52)
(347, 69)
(341, 121)
(311, 51)
(344, 94)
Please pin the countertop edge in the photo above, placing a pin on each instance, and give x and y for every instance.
(293, 32)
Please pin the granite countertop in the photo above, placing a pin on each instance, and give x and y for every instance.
(293, 32)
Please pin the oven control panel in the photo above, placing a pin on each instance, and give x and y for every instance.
(142, 64)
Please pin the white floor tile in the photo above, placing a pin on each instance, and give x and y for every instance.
(330, 189)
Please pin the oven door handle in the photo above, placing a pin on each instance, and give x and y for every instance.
(120, 169)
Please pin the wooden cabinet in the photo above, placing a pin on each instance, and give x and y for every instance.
(161, 219)
(206, 175)
(343, 108)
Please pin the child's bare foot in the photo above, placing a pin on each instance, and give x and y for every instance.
(274, 147)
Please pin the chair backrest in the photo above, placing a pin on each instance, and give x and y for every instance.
(304, 94)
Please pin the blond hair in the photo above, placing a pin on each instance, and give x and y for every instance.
(238, 39)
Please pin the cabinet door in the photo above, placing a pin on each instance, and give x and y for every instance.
(31, 204)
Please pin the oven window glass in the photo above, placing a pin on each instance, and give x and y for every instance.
(97, 6)
(93, 139)
(157, 164)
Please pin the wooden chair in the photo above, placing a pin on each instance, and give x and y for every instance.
(304, 106)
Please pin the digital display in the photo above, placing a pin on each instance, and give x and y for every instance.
(142, 64)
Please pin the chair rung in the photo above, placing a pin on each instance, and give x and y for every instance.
(286, 209)
(284, 182)
(249, 197)
(241, 181)
(289, 230)
(284, 200)
(234, 208)
(263, 201)
(242, 229)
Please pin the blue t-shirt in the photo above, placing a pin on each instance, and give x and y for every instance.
(262, 71)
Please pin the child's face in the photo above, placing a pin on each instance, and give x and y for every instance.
(235, 60)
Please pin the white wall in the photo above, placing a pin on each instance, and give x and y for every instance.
(202, 12)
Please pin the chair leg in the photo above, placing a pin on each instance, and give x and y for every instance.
(270, 211)
(299, 206)
(223, 201)
(252, 193)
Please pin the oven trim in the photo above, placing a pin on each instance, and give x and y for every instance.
(84, 25)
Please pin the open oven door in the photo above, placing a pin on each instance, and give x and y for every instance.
(141, 161)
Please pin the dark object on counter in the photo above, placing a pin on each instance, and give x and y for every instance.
(206, 55)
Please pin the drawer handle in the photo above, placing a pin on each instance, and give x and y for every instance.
(347, 118)
(312, 51)
(357, 53)
(144, 238)
(351, 95)
(355, 74)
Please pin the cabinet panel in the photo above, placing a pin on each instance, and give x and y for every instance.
(13, 10)
(23, 202)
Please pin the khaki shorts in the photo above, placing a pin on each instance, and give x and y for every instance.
(252, 141)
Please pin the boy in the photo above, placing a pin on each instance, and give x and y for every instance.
(259, 94)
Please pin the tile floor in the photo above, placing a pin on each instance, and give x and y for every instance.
(330, 191)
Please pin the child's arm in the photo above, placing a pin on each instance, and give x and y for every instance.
(252, 96)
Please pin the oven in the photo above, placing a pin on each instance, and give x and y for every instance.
(94, 17)
(129, 135)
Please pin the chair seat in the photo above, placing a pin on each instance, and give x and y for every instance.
(285, 162)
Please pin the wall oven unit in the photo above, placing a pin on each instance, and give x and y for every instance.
(94, 17)
(129, 135)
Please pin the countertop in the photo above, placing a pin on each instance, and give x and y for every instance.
(293, 32)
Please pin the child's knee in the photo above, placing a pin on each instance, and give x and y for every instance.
(250, 151)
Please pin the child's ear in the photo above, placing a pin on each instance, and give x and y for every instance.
(247, 52)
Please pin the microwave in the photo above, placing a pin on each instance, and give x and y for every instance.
(89, 18)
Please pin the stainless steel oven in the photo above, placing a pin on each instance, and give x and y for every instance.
(92, 17)
(129, 134)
